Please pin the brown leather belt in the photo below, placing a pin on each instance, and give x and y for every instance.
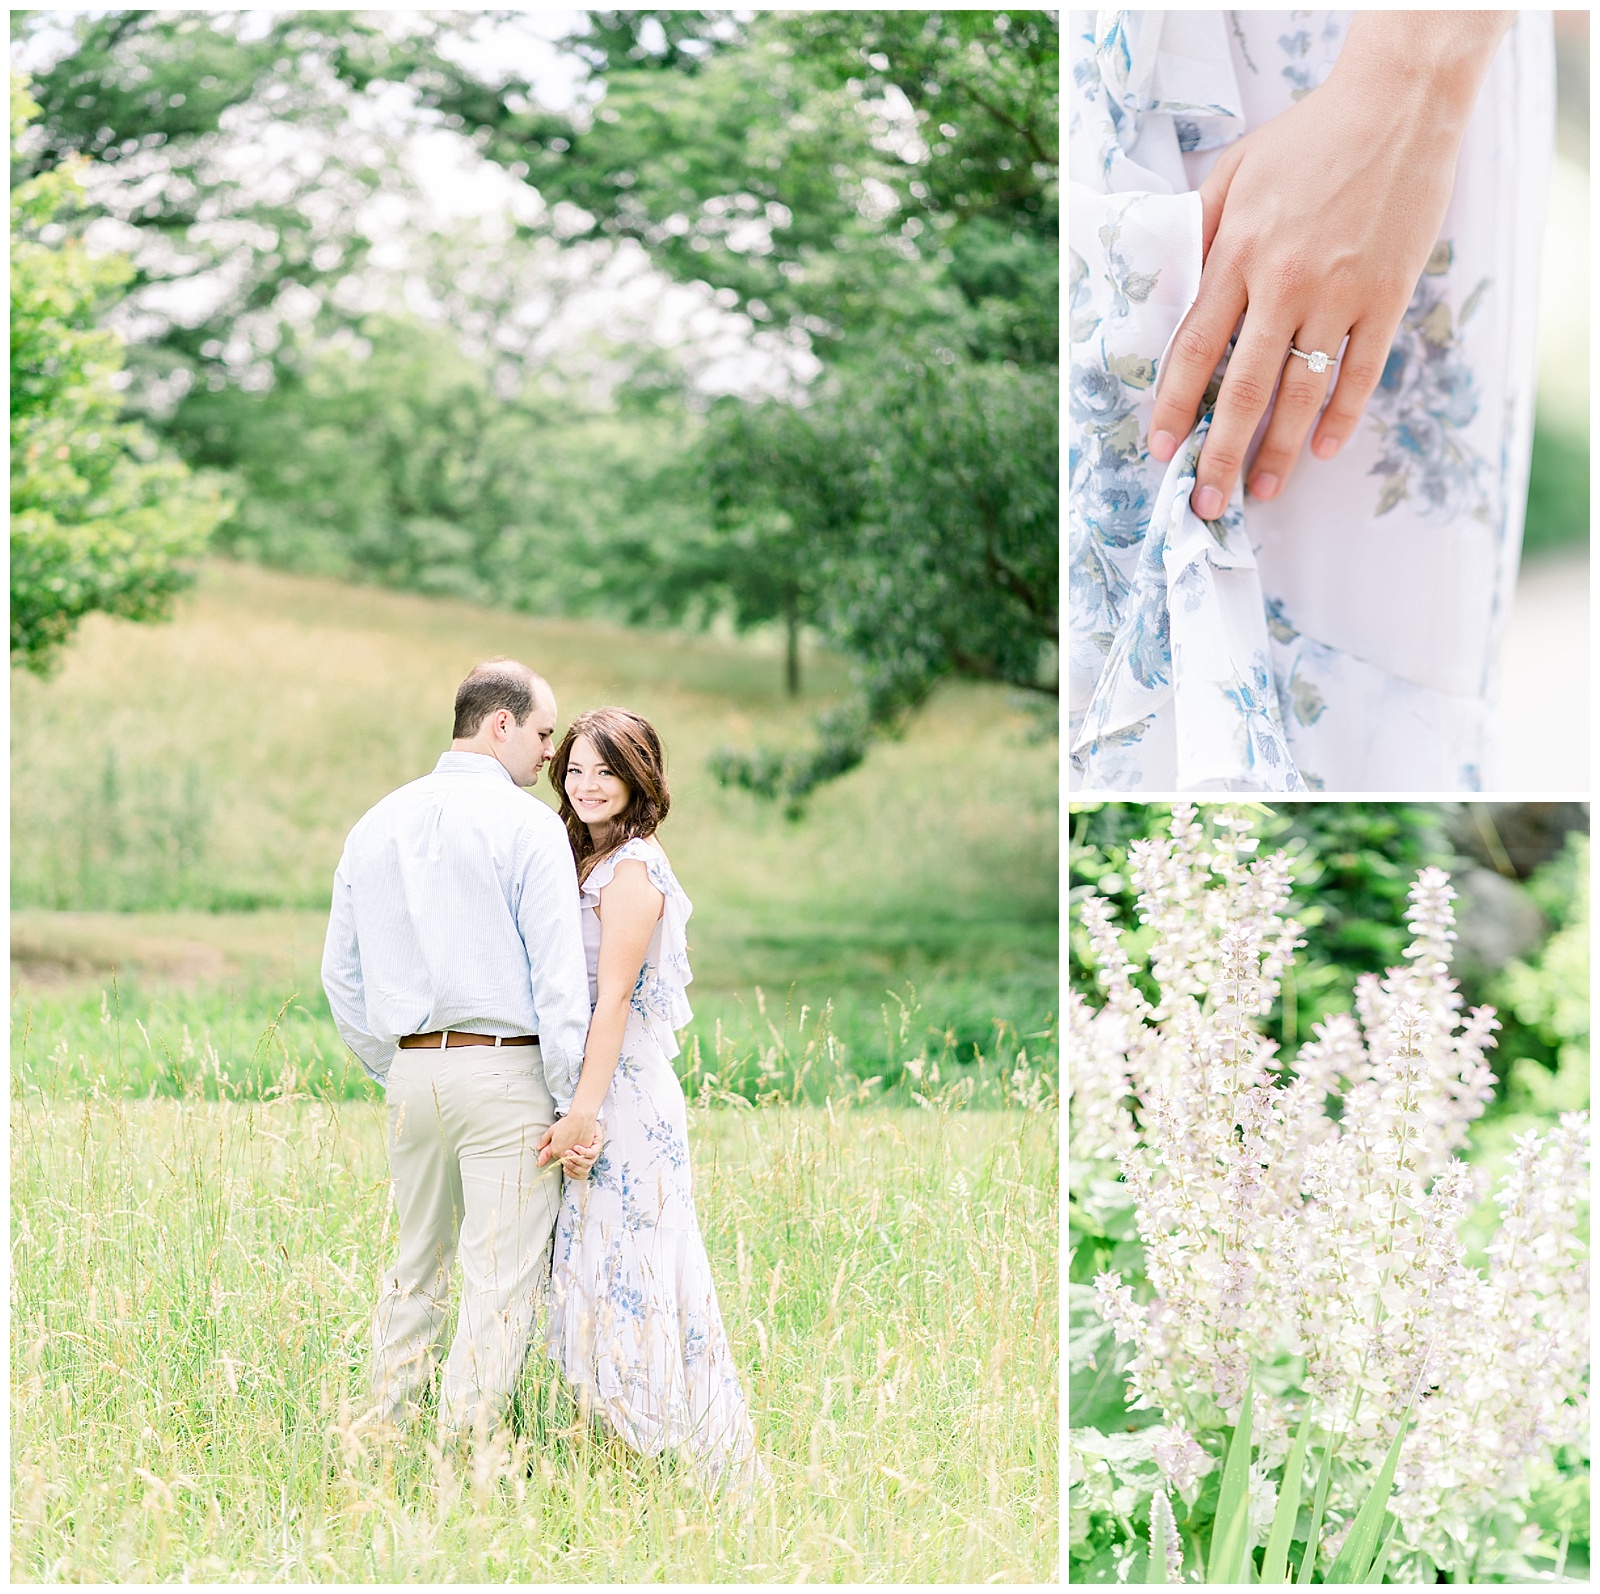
(443, 1039)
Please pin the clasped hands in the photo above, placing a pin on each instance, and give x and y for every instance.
(1316, 227)
(576, 1140)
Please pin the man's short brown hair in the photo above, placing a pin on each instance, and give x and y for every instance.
(492, 685)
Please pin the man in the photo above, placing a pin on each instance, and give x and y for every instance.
(454, 967)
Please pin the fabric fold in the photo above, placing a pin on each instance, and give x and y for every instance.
(1169, 642)
(1192, 646)
(1149, 87)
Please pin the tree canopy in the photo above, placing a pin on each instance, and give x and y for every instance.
(101, 518)
(874, 189)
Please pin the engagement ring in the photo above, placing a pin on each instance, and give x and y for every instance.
(1316, 361)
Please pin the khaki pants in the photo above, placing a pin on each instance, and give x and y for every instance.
(464, 1132)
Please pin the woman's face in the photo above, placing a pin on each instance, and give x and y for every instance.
(598, 795)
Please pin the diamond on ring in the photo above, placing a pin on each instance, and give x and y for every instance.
(1316, 361)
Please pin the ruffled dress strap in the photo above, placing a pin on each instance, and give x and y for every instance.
(660, 998)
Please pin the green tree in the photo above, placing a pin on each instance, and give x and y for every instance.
(178, 110)
(922, 498)
(851, 175)
(101, 519)
(744, 559)
(885, 185)
(389, 458)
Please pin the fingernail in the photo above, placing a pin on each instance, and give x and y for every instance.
(1325, 447)
(1208, 503)
(1163, 445)
(1264, 485)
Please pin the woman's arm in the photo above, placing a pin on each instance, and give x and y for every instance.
(629, 909)
(1318, 224)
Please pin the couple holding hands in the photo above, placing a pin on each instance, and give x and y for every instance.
(516, 979)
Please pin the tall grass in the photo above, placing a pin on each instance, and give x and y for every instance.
(171, 1038)
(192, 1281)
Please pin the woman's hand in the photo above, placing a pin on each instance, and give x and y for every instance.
(580, 1159)
(570, 1136)
(1317, 225)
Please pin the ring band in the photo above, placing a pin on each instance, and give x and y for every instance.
(1316, 361)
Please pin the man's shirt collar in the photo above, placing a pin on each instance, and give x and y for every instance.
(454, 763)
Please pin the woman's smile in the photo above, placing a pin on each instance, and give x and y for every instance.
(596, 794)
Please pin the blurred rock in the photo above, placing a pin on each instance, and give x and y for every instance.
(1524, 835)
(1496, 921)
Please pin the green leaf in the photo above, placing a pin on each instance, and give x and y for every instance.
(1440, 261)
(1138, 284)
(1308, 1563)
(1230, 1531)
(1473, 300)
(1356, 1557)
(1277, 1554)
(1381, 1560)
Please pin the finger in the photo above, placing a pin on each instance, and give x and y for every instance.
(1301, 393)
(1253, 370)
(1214, 193)
(1192, 357)
(1360, 370)
(544, 1155)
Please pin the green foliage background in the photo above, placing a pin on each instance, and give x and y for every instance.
(1353, 864)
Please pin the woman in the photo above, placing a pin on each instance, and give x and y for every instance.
(1293, 233)
(634, 1321)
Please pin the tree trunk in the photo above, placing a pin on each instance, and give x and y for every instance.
(791, 662)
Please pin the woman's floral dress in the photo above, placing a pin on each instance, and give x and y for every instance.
(1343, 635)
(634, 1322)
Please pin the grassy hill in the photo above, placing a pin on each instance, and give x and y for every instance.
(180, 795)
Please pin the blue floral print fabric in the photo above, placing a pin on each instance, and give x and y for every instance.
(634, 1321)
(1343, 635)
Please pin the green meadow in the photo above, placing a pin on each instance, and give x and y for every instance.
(180, 795)
(198, 1186)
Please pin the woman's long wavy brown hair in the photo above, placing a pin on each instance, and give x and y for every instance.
(632, 751)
